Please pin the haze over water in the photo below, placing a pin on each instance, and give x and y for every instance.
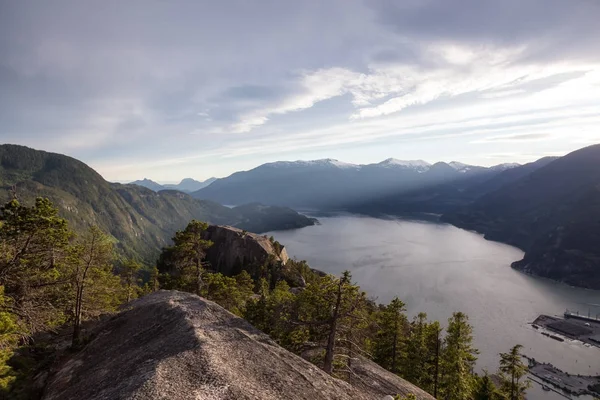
(438, 269)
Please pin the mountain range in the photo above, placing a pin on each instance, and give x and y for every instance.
(140, 220)
(187, 185)
(549, 208)
(332, 184)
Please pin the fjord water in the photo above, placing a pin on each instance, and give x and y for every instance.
(438, 269)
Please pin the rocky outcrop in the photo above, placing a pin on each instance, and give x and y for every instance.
(174, 345)
(234, 250)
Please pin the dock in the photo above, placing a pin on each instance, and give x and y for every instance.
(589, 318)
(572, 384)
(577, 327)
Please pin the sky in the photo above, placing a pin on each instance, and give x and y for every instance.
(193, 88)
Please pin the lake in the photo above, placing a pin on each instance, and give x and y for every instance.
(438, 269)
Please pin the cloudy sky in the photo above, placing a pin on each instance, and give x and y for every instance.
(170, 89)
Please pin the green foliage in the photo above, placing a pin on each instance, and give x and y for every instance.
(276, 245)
(123, 211)
(485, 389)
(415, 366)
(272, 313)
(429, 380)
(153, 283)
(48, 277)
(129, 272)
(458, 359)
(35, 244)
(512, 372)
(298, 273)
(409, 396)
(94, 289)
(232, 293)
(389, 345)
(327, 308)
(184, 260)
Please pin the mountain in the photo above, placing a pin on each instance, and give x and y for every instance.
(148, 184)
(332, 184)
(187, 185)
(128, 212)
(451, 192)
(176, 345)
(552, 213)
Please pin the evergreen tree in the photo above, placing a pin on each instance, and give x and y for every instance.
(129, 277)
(153, 283)
(458, 360)
(154, 280)
(433, 340)
(325, 307)
(34, 243)
(279, 308)
(390, 340)
(94, 284)
(485, 389)
(185, 259)
(512, 372)
(415, 365)
(232, 293)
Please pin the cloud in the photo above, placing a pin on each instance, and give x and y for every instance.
(121, 84)
(516, 138)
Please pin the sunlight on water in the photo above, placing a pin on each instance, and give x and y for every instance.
(439, 269)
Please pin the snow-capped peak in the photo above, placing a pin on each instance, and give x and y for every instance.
(460, 167)
(505, 166)
(341, 164)
(405, 163)
(323, 162)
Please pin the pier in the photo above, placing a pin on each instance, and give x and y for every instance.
(568, 314)
(573, 326)
(572, 384)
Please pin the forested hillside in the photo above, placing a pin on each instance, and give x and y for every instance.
(553, 214)
(53, 281)
(140, 221)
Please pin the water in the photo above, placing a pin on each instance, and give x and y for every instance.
(438, 269)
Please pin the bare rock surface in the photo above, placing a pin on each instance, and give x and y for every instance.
(174, 345)
(234, 249)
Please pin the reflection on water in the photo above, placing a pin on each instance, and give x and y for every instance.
(439, 269)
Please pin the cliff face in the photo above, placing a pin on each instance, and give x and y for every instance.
(235, 249)
(174, 345)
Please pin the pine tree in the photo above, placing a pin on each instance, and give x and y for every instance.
(486, 390)
(153, 283)
(512, 371)
(458, 359)
(129, 276)
(232, 293)
(34, 243)
(433, 340)
(325, 307)
(415, 364)
(390, 339)
(94, 284)
(185, 259)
